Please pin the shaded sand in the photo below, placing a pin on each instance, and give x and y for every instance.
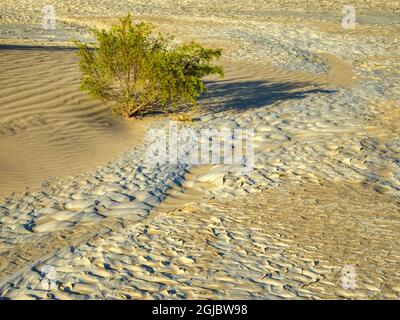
(48, 128)
(248, 86)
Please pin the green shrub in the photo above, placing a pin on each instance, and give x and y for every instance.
(139, 72)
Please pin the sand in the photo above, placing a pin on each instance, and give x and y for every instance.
(317, 218)
(48, 128)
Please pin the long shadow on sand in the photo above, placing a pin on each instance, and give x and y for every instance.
(243, 95)
(36, 47)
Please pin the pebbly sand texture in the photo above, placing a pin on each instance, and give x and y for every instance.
(102, 223)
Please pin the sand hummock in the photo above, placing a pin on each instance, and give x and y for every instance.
(48, 128)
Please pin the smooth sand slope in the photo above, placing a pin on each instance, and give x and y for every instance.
(48, 128)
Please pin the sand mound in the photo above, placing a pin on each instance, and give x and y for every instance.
(47, 126)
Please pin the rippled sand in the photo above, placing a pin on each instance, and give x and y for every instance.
(317, 218)
(48, 128)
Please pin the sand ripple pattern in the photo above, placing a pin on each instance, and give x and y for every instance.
(323, 195)
(296, 247)
(48, 127)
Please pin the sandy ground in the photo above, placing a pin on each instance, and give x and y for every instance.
(48, 128)
(320, 210)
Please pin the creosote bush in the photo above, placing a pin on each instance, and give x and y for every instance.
(139, 72)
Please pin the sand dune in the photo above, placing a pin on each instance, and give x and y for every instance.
(47, 126)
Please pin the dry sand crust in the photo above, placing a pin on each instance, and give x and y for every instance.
(289, 236)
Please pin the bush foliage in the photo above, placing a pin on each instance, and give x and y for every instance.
(139, 72)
